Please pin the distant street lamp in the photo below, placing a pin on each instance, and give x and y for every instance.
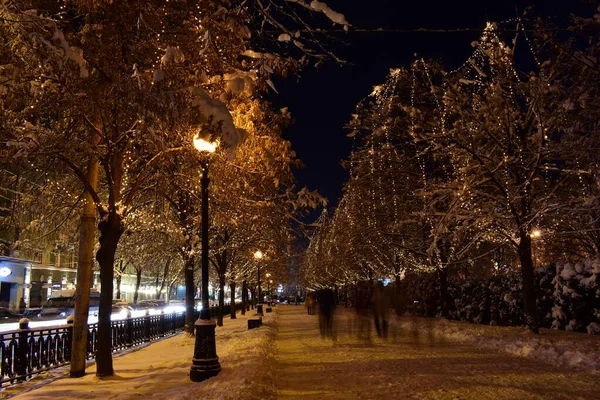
(259, 307)
(205, 363)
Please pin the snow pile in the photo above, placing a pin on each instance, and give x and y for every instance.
(577, 297)
(573, 350)
(161, 370)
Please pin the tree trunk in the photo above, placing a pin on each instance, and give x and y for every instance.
(118, 281)
(221, 299)
(138, 282)
(345, 295)
(244, 297)
(252, 297)
(398, 306)
(111, 228)
(232, 289)
(190, 291)
(529, 294)
(164, 280)
(443, 277)
(85, 264)
(157, 287)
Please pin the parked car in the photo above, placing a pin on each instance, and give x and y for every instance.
(32, 312)
(175, 306)
(62, 304)
(154, 306)
(120, 311)
(8, 315)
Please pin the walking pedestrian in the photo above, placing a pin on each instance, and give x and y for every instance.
(326, 303)
(362, 305)
(310, 303)
(380, 309)
(22, 306)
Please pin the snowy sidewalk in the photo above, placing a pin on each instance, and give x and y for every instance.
(161, 370)
(287, 359)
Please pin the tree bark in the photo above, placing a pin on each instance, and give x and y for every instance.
(232, 308)
(111, 229)
(221, 299)
(87, 231)
(252, 297)
(529, 294)
(118, 282)
(138, 283)
(244, 297)
(164, 279)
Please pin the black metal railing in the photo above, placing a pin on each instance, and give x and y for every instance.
(28, 351)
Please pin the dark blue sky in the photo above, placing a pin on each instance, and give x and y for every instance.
(323, 99)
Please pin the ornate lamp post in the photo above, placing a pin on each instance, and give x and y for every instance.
(259, 307)
(205, 363)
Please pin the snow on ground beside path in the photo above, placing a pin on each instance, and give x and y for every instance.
(161, 370)
(570, 349)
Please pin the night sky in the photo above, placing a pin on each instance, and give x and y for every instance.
(322, 100)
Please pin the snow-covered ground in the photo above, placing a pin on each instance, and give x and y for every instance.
(578, 351)
(274, 362)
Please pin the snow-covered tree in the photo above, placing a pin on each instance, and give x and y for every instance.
(110, 81)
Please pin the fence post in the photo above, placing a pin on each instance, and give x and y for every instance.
(23, 352)
(129, 330)
(69, 341)
(147, 326)
(162, 323)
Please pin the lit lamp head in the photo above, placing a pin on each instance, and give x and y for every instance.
(258, 255)
(205, 144)
(536, 233)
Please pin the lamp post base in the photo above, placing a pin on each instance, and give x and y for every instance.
(205, 363)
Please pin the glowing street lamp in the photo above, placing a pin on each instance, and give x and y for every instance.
(205, 363)
(258, 255)
(203, 145)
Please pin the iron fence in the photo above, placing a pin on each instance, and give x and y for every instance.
(28, 351)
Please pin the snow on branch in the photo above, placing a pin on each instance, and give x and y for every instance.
(208, 106)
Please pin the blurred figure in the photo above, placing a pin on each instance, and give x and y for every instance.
(362, 304)
(310, 303)
(326, 303)
(381, 306)
(22, 306)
